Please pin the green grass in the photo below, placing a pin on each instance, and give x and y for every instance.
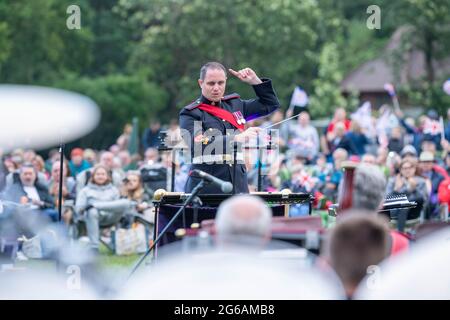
(108, 259)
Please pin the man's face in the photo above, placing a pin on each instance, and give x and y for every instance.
(107, 160)
(429, 146)
(151, 155)
(426, 166)
(213, 86)
(303, 119)
(27, 176)
(77, 160)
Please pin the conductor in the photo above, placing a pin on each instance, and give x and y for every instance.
(214, 122)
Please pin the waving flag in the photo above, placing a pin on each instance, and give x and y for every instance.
(299, 98)
(389, 87)
(432, 127)
(363, 116)
(446, 86)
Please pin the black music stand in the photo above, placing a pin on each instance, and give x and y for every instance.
(260, 149)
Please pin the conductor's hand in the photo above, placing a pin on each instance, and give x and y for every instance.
(250, 133)
(246, 75)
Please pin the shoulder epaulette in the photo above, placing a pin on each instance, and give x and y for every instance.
(193, 105)
(231, 96)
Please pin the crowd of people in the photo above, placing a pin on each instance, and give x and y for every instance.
(414, 157)
(400, 157)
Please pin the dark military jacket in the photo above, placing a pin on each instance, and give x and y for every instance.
(206, 154)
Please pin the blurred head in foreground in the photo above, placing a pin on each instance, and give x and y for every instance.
(357, 242)
(243, 220)
(419, 274)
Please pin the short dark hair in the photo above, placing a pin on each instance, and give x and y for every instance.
(211, 65)
(356, 242)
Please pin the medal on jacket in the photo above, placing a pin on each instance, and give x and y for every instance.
(241, 116)
(237, 117)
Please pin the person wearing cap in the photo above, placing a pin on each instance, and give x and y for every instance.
(408, 151)
(77, 163)
(427, 169)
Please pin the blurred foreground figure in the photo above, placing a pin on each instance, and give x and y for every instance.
(420, 273)
(357, 242)
(244, 265)
(230, 275)
(243, 221)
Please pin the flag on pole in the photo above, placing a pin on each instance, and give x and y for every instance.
(389, 87)
(446, 86)
(432, 127)
(299, 98)
(363, 116)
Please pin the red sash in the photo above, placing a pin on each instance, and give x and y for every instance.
(222, 114)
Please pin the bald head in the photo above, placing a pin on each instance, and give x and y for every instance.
(243, 216)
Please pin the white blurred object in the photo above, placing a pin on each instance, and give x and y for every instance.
(299, 98)
(446, 86)
(39, 117)
(40, 284)
(223, 275)
(421, 273)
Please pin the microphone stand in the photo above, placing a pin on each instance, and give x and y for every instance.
(61, 162)
(258, 146)
(235, 147)
(194, 193)
(172, 176)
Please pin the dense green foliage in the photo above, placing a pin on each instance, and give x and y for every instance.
(142, 57)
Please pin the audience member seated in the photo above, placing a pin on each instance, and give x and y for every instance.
(68, 189)
(77, 162)
(407, 182)
(427, 170)
(332, 181)
(133, 190)
(303, 138)
(106, 160)
(28, 191)
(99, 189)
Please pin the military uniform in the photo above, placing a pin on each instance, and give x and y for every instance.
(219, 163)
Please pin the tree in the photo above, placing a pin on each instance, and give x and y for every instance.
(427, 29)
(327, 95)
(120, 98)
(276, 38)
(41, 48)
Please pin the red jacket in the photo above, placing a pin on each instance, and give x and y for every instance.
(400, 242)
(444, 192)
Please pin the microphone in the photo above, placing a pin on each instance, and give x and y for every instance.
(225, 186)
